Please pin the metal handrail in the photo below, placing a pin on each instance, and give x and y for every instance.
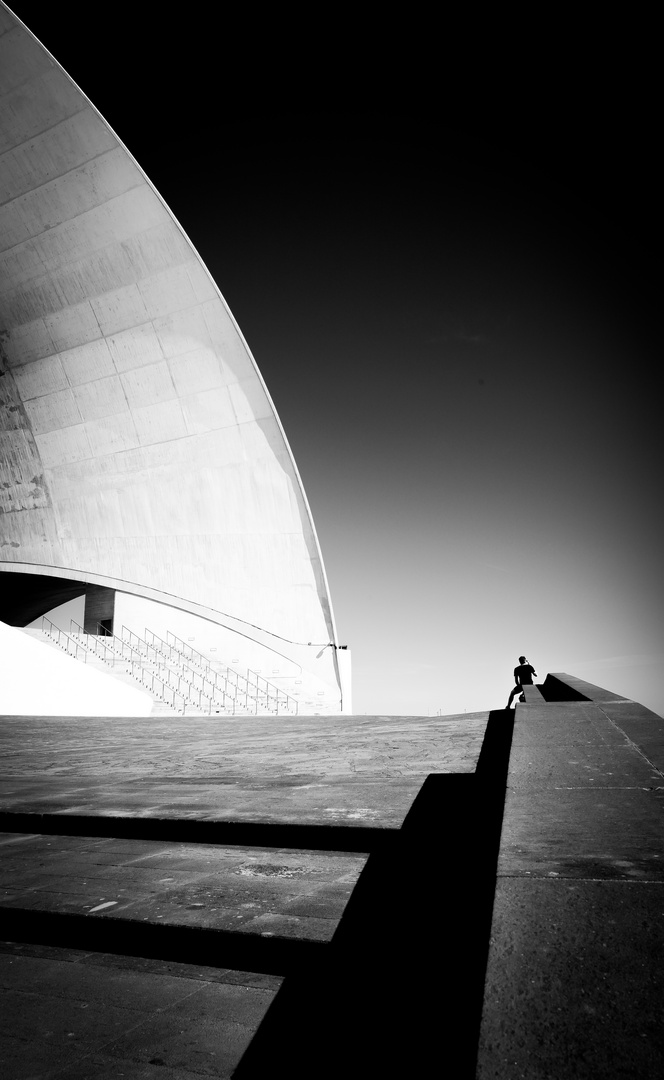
(195, 693)
(202, 689)
(117, 644)
(185, 649)
(142, 645)
(116, 650)
(151, 638)
(173, 656)
(206, 682)
(272, 692)
(202, 661)
(158, 686)
(98, 647)
(68, 640)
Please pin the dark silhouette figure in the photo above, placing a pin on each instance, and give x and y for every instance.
(523, 676)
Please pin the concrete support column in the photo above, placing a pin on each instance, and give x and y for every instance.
(99, 608)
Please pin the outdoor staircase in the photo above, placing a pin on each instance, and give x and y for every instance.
(178, 678)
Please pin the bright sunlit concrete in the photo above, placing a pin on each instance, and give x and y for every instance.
(39, 680)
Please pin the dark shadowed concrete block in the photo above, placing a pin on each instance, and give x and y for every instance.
(99, 607)
(559, 686)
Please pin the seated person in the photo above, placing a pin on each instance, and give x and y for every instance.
(523, 676)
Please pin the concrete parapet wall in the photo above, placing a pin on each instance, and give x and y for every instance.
(574, 979)
(563, 687)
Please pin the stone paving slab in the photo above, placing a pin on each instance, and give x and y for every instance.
(298, 894)
(76, 1015)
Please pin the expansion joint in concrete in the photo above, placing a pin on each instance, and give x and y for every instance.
(633, 746)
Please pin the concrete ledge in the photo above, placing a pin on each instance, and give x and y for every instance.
(72, 1013)
(574, 980)
(533, 695)
(559, 686)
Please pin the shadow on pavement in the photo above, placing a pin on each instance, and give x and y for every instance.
(400, 987)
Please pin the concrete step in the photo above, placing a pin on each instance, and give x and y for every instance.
(122, 1014)
(234, 888)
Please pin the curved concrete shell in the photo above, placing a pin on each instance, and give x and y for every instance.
(140, 449)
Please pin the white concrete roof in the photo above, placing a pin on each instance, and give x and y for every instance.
(139, 445)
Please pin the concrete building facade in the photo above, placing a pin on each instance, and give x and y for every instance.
(142, 459)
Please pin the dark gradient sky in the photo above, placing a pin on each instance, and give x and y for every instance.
(451, 288)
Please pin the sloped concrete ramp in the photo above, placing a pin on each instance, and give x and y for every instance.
(38, 678)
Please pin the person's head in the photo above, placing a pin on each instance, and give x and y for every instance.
(522, 659)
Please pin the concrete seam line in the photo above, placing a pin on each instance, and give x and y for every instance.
(631, 742)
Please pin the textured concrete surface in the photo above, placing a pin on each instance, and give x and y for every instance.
(365, 771)
(574, 980)
(77, 1015)
(299, 894)
(575, 983)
